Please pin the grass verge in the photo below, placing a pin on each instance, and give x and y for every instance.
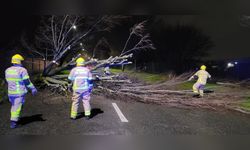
(148, 78)
(246, 104)
(189, 85)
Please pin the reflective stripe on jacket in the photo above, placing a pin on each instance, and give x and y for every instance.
(80, 77)
(15, 77)
(202, 76)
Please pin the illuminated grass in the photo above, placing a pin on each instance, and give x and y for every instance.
(65, 72)
(189, 85)
(246, 104)
(149, 78)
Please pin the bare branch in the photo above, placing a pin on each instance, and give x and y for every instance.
(144, 42)
(62, 28)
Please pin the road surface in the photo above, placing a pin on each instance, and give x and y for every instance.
(44, 116)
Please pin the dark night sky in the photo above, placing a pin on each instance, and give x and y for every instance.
(231, 40)
(219, 19)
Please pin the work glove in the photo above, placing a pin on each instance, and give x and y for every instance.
(97, 78)
(33, 91)
(191, 78)
(90, 90)
(70, 87)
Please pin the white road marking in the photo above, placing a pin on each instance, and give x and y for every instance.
(120, 114)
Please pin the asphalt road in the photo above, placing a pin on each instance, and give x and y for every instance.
(44, 116)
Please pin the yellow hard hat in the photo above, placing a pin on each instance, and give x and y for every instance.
(80, 61)
(203, 67)
(16, 59)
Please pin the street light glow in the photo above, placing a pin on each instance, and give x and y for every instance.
(81, 44)
(229, 65)
(74, 27)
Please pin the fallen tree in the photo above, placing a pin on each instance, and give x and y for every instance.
(61, 49)
(60, 44)
(166, 93)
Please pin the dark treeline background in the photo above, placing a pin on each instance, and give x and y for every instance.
(180, 46)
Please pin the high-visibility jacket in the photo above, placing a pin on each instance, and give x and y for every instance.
(202, 76)
(81, 77)
(16, 76)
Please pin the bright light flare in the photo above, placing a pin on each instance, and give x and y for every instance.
(229, 65)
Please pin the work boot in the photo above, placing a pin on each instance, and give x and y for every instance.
(73, 118)
(199, 96)
(13, 124)
(196, 95)
(87, 117)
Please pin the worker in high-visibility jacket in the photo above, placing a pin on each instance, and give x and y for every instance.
(18, 79)
(202, 75)
(82, 87)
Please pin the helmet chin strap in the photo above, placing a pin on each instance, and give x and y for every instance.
(79, 64)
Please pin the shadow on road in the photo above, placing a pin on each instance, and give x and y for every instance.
(30, 119)
(94, 112)
(208, 91)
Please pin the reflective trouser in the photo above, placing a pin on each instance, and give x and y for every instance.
(16, 106)
(85, 98)
(198, 88)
